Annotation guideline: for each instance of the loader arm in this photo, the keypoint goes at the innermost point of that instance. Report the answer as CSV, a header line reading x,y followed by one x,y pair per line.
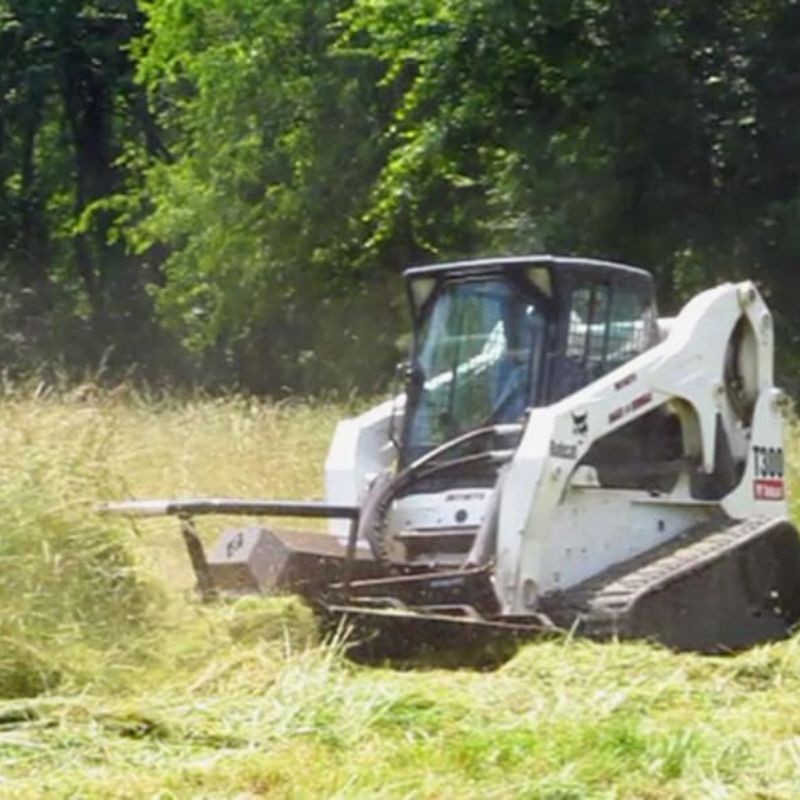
x,y
687,370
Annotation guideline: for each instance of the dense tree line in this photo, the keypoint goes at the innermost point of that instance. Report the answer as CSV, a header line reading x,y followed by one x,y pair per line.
x,y
226,190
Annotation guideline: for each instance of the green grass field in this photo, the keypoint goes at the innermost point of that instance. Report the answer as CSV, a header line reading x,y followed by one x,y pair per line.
x,y
114,682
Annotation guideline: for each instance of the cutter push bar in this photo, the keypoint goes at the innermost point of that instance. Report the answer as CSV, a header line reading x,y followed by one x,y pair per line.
x,y
198,506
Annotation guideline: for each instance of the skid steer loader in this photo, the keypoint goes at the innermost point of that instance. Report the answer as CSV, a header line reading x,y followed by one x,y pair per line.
x,y
561,458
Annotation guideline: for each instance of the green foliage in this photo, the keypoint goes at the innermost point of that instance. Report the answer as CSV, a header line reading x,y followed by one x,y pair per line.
x,y
271,138
639,133
210,188
69,104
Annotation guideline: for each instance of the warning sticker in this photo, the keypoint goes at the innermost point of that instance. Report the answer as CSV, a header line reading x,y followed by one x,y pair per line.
x,y
768,489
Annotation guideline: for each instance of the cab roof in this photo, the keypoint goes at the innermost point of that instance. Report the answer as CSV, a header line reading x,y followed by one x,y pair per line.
x,y
501,264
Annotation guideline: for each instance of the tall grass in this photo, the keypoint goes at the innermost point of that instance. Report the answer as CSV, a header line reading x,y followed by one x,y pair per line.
x,y
76,585
119,684
70,586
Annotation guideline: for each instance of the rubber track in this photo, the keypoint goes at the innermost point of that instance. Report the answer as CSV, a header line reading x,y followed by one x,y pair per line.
x,y
601,605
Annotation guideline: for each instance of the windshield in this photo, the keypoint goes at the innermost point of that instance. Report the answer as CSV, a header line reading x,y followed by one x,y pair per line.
x,y
478,351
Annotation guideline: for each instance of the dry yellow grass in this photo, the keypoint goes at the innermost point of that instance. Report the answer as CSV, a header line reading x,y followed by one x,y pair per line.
x,y
135,690
99,446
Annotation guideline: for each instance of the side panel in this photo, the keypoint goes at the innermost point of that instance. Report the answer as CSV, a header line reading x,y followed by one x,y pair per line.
x,y
599,526
359,450
455,508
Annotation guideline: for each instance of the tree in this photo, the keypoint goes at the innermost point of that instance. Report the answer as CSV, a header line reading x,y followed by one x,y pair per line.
x,y
274,139
657,133
69,103
251,177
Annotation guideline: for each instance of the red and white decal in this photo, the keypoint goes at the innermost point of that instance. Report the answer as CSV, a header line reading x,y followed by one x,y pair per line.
x,y
638,402
768,489
626,381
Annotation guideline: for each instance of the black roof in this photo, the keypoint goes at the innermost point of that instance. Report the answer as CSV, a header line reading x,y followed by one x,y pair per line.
x,y
521,262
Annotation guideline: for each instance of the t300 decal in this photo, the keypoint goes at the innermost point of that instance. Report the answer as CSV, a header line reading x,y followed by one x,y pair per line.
x,y
768,465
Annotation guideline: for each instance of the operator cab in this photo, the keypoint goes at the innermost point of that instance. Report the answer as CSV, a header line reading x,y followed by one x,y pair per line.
x,y
495,337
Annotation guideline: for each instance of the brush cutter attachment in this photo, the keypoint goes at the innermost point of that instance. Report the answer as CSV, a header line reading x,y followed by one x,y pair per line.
x,y
390,616
261,560
721,587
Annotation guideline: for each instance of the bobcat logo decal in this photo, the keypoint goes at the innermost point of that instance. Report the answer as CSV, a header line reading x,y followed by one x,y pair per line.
x,y
580,423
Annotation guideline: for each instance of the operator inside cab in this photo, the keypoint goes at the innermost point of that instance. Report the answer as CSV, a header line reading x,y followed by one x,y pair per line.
x,y
477,353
